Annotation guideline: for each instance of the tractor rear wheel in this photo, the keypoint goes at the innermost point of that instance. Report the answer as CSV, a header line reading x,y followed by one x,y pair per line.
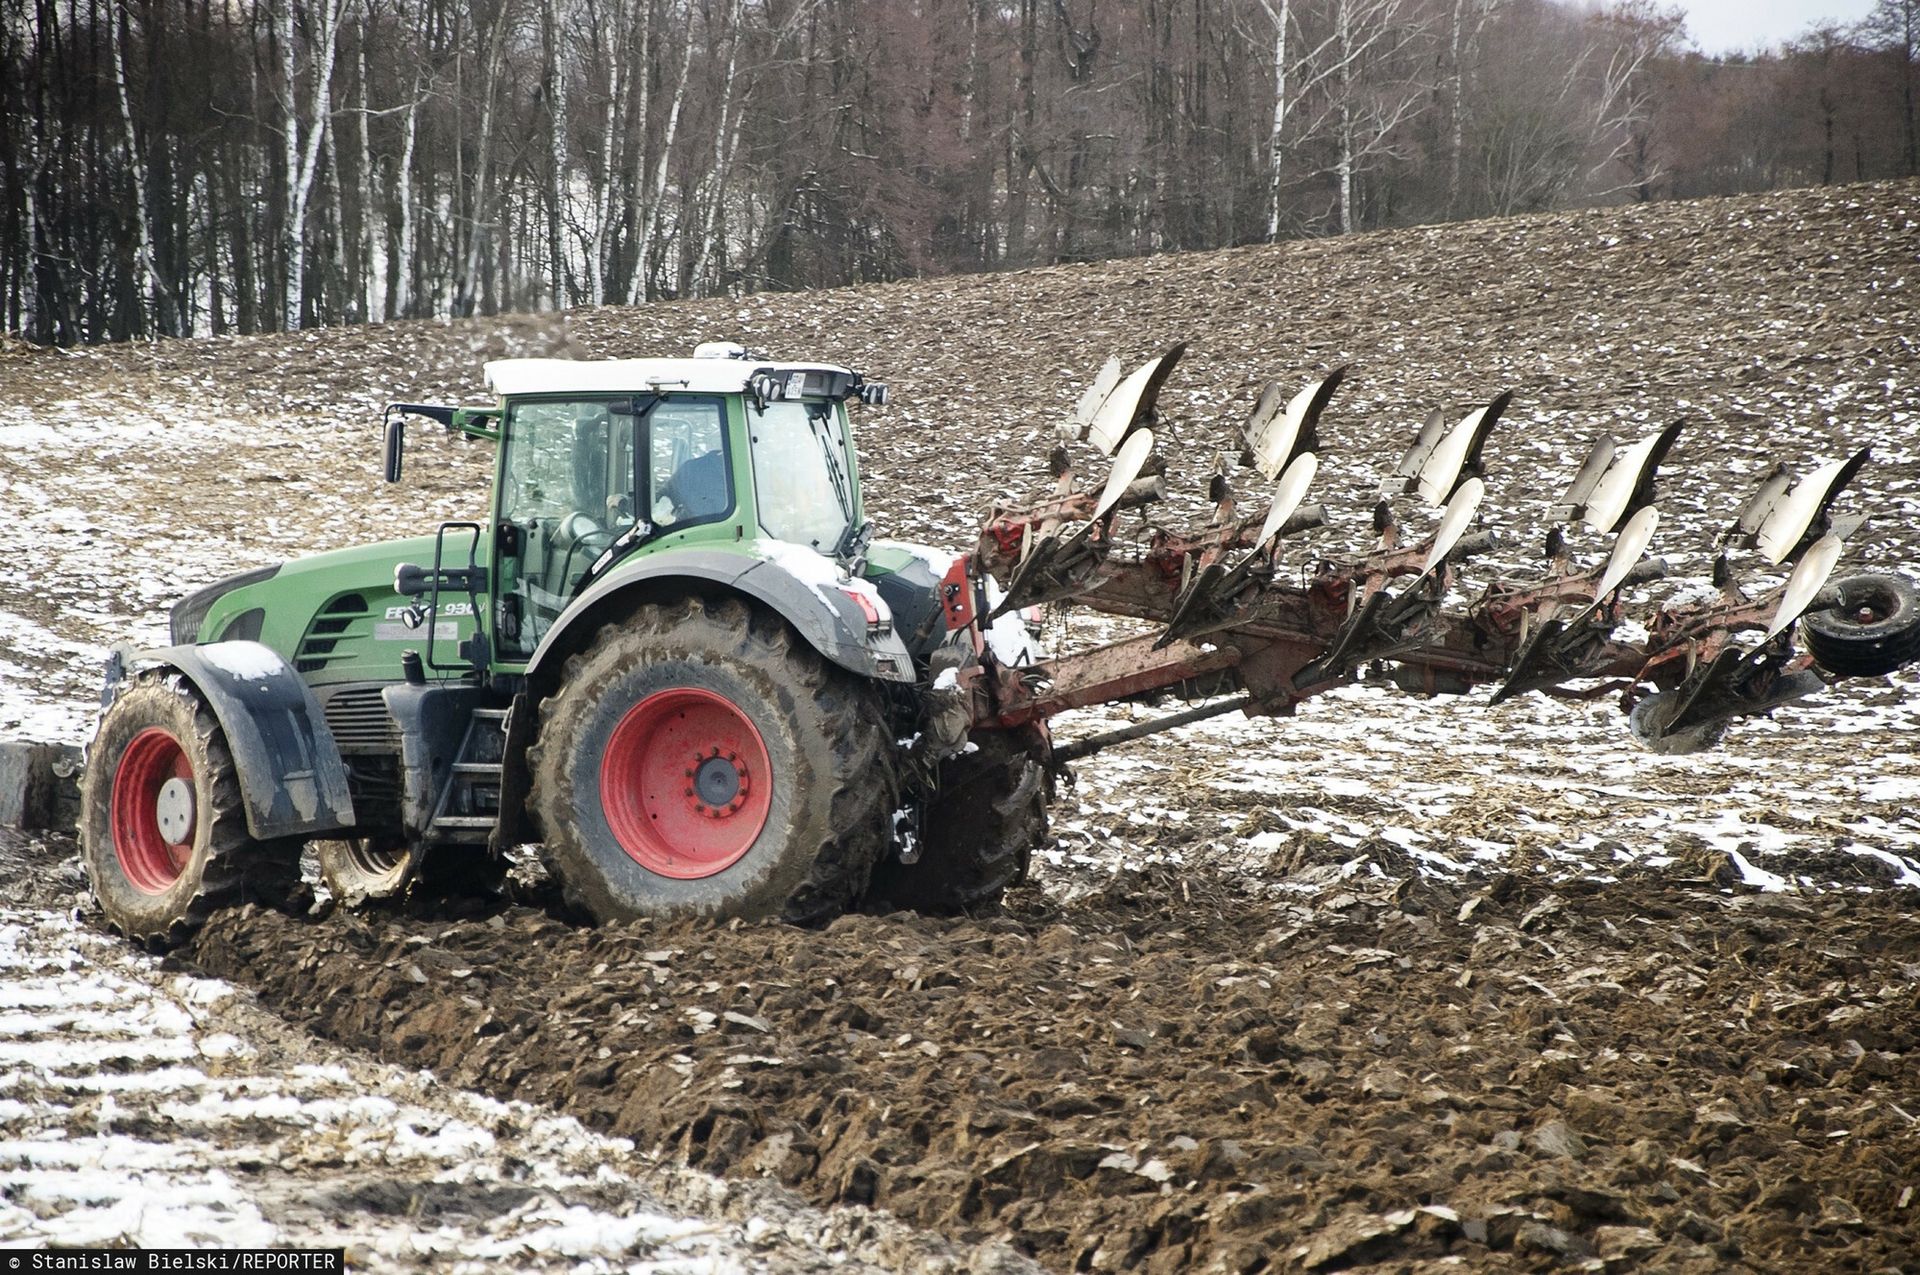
x,y
1873,631
163,835
701,760
980,830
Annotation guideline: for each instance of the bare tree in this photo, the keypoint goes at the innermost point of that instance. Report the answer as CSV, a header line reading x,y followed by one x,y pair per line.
x,y
1300,68
303,150
1466,22
556,23
1894,27
1376,85
662,170
171,166
1546,124
726,144
150,287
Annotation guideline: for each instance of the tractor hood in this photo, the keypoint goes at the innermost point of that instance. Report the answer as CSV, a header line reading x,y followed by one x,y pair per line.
x,y
334,616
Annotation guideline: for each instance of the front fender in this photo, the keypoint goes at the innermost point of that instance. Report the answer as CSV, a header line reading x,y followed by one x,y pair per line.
x,y
292,780
804,588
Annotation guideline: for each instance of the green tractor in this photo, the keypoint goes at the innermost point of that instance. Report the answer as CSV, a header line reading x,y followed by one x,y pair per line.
x,y
674,655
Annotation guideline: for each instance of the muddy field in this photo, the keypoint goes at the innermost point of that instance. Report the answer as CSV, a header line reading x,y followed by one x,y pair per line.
x,y
1387,984
1175,1074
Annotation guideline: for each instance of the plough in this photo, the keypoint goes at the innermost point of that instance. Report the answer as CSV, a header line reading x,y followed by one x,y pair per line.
x,y
1243,621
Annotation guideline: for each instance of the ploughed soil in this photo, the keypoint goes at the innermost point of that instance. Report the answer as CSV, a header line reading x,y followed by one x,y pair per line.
x,y
1675,1074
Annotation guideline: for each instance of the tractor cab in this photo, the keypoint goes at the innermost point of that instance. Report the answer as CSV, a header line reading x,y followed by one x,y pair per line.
x,y
603,462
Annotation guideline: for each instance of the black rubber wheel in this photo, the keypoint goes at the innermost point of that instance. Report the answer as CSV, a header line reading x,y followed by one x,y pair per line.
x,y
702,760
1654,711
981,828
1873,631
163,835
366,869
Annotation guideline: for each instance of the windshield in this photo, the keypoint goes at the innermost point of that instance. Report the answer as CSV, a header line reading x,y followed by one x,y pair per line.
x,y
800,473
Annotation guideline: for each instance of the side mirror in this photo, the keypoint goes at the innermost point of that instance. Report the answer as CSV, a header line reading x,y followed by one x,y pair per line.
x,y
396,447
410,581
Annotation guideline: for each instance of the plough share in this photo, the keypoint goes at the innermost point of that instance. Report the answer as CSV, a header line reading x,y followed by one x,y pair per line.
x,y
1241,621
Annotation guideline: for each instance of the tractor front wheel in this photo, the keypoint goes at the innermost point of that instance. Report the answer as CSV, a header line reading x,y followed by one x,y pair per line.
x,y
163,835
700,760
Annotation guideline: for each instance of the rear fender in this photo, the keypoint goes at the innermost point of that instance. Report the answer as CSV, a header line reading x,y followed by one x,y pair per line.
x,y
802,587
292,781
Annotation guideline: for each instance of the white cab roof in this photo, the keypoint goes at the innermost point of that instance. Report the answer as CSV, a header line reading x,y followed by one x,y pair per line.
x,y
509,377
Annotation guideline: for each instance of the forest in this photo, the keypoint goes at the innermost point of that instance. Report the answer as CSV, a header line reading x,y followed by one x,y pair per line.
x,y
174,167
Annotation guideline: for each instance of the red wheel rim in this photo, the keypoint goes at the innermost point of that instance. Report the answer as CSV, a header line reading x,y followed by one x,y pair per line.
x,y
150,860
685,783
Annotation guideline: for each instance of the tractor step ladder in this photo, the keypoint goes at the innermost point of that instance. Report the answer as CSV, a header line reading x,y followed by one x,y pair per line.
x,y
474,782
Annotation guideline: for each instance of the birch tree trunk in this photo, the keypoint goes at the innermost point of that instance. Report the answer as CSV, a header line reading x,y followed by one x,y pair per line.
x,y
557,15
726,136
1279,17
336,289
363,184
972,88
30,258
663,164
1344,19
603,179
463,284
303,154
151,288
1456,106
400,249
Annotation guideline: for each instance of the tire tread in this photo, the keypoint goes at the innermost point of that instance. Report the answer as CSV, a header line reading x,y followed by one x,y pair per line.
x,y
836,706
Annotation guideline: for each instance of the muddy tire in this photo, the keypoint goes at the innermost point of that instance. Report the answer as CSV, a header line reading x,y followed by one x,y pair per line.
x,y
365,869
1872,632
163,835
702,760
377,873
980,829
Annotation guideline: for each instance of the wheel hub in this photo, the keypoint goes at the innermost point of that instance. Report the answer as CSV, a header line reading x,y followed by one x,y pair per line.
x,y
152,810
719,785
173,810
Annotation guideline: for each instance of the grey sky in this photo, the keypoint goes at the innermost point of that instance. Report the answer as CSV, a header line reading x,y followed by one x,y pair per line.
x,y
1722,26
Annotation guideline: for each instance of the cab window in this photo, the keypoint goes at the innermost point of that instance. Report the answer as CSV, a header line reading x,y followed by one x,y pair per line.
x,y
800,473
688,475
568,493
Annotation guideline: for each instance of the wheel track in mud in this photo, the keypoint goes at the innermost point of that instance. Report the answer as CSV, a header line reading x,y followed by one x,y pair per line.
x,y
1175,1077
